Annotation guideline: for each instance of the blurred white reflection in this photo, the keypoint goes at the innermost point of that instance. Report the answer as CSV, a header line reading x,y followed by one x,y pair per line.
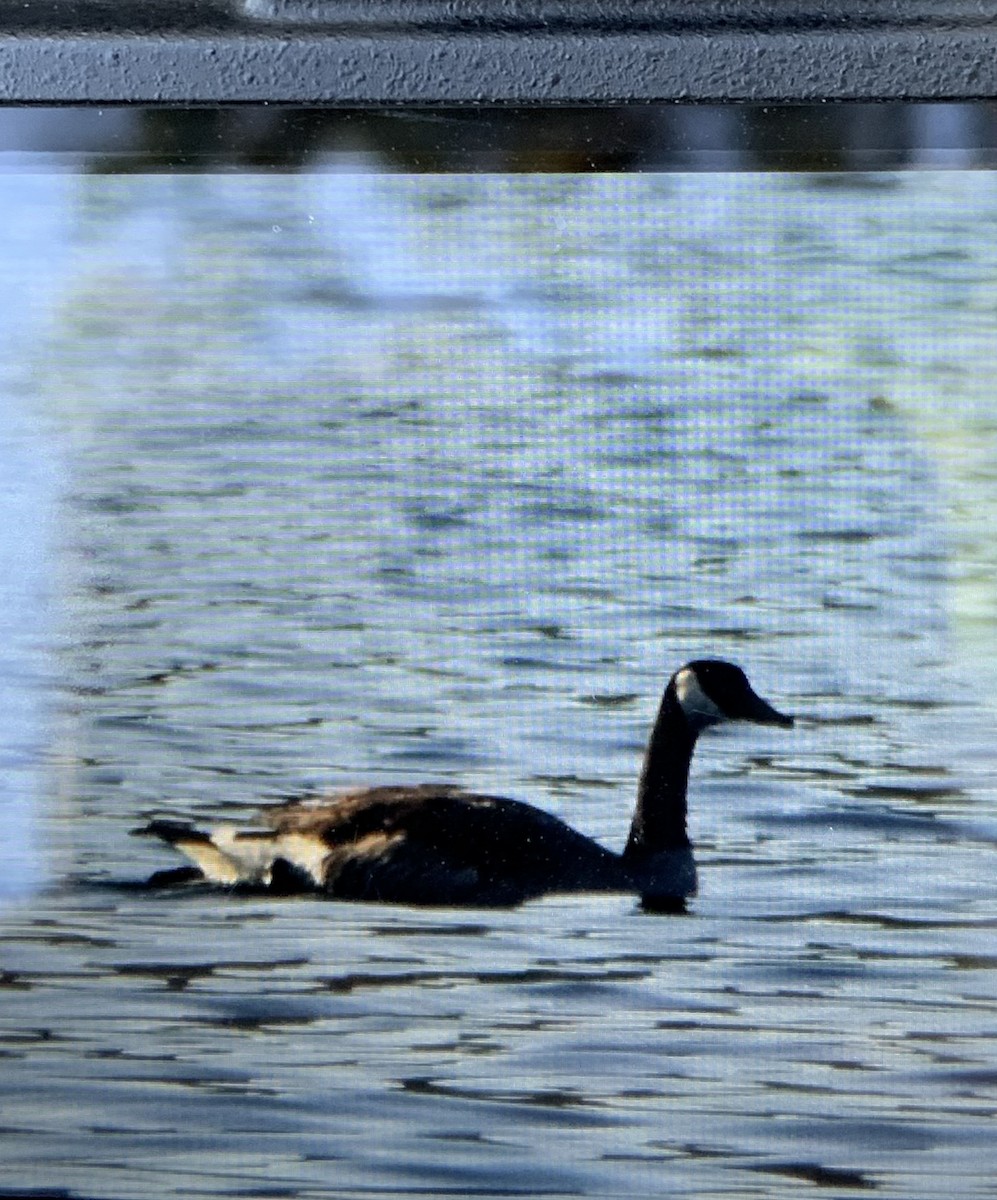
x,y
33,212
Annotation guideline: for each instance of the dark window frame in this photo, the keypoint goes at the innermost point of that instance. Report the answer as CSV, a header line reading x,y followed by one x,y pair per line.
x,y
496,52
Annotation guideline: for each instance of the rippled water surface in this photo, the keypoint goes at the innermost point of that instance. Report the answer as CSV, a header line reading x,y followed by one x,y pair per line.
x,y
385,478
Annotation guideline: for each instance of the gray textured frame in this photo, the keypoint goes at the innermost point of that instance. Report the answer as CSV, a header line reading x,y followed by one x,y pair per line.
x,y
456,52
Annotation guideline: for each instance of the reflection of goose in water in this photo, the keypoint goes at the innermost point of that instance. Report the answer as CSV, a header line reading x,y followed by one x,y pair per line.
x,y
437,844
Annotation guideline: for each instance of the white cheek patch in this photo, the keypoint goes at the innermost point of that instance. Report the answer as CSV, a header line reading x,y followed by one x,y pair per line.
x,y
699,709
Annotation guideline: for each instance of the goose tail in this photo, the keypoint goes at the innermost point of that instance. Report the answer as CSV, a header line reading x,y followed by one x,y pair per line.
x,y
231,857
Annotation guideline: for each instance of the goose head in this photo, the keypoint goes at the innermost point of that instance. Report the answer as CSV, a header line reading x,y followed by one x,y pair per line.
x,y
710,691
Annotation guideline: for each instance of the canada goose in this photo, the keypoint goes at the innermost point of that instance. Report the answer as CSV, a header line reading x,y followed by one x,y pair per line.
x,y
438,844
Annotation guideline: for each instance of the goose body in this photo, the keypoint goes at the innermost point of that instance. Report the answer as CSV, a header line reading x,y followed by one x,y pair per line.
x,y
439,844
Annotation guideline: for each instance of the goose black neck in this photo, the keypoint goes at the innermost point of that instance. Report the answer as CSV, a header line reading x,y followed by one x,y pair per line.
x,y
660,819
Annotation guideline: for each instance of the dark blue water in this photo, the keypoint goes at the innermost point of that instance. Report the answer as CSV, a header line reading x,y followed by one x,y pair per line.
x,y
384,478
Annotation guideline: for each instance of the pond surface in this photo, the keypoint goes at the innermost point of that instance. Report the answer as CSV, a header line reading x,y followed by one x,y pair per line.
x,y
386,478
